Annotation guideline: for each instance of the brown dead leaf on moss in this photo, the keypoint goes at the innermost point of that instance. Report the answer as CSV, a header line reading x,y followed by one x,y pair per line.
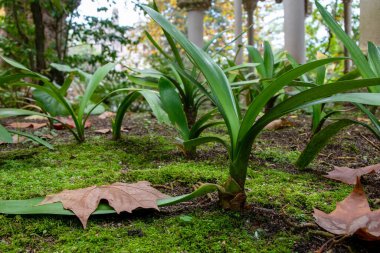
x,y
23,125
352,216
69,122
103,131
121,196
106,115
348,176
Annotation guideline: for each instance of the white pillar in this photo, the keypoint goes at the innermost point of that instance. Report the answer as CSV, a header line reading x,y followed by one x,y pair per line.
x,y
238,30
369,22
294,29
195,26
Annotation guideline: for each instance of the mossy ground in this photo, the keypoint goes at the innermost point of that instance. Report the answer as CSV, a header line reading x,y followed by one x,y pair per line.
x,y
35,171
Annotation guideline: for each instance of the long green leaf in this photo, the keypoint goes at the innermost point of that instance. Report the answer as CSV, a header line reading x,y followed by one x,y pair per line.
x,y
33,138
268,59
372,117
202,140
123,107
155,105
355,52
360,98
374,58
94,82
256,58
172,104
22,67
5,135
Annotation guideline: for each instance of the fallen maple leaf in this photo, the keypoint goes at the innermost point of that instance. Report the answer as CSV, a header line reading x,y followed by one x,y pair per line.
x,y
103,131
23,125
106,115
69,122
122,197
279,124
348,176
352,216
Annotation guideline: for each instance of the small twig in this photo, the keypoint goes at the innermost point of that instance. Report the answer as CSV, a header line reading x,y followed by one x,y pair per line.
x,y
320,233
370,142
331,243
162,186
346,158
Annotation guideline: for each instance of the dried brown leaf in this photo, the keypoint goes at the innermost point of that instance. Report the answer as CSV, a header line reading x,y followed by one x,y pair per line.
x,y
352,216
106,115
279,124
348,176
23,125
122,197
103,131
69,122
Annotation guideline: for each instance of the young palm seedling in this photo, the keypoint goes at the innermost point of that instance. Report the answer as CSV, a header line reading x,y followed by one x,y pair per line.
x,y
243,132
180,96
54,97
368,67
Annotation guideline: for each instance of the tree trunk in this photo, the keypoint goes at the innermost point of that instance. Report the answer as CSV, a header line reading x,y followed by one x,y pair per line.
x,y
39,35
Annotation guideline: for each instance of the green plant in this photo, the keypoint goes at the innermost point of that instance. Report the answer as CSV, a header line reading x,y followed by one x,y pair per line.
x,y
269,66
244,132
180,95
368,67
52,97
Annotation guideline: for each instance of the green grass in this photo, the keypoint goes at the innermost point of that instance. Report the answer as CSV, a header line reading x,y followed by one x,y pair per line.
x,y
37,172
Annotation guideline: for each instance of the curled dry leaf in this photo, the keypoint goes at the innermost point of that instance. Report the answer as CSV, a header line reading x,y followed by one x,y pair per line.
x,y
103,131
348,176
352,216
106,115
279,124
122,197
23,125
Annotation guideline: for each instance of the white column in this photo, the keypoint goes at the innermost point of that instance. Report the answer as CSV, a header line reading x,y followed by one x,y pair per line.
x,y
294,29
195,27
238,30
348,29
369,22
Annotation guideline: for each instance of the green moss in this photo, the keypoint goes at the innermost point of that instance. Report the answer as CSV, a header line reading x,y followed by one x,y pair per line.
x,y
37,172
212,231
276,155
297,194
